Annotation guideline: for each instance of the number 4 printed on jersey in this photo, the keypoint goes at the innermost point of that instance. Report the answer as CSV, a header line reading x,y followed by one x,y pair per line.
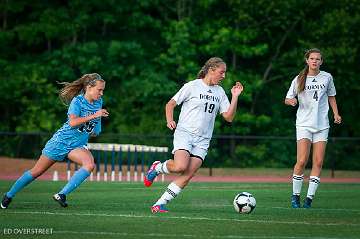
x,y
316,97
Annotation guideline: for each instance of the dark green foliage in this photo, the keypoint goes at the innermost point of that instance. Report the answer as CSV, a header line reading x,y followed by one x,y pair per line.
x,y
146,50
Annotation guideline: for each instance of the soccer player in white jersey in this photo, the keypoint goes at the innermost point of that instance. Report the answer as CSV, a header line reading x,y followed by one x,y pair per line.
x,y
84,119
314,90
201,100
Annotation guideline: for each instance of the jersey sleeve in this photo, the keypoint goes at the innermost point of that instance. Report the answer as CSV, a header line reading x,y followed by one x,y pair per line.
x,y
224,103
182,94
74,107
331,91
292,92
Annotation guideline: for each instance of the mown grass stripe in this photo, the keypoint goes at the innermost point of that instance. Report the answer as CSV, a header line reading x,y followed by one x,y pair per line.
x,y
189,218
187,235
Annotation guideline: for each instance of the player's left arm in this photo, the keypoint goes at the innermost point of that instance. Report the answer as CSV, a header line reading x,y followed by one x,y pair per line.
x,y
333,105
235,92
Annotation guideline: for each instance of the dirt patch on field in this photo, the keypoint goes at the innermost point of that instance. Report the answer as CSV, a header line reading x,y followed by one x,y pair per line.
x,y
12,168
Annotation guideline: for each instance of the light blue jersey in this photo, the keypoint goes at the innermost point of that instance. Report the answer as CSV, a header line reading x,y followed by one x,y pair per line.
x,y
68,138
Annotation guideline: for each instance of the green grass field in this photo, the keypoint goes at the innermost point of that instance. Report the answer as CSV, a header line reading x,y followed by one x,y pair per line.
x,y
203,210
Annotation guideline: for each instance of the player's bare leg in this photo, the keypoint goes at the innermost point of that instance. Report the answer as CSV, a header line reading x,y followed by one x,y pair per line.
x,y
177,165
302,157
83,157
43,164
318,158
174,188
189,173
317,162
39,168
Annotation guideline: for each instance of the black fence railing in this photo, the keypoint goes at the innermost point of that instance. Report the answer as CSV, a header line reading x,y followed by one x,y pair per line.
x,y
225,150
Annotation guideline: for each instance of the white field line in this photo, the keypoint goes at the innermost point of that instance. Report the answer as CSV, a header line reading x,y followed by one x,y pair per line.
x,y
230,205
321,209
186,235
188,218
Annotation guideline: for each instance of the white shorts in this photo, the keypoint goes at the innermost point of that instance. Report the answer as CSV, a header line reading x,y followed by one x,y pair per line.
x,y
195,145
303,133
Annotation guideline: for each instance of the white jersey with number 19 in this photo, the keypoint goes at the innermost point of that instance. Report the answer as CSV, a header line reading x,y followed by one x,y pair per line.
x,y
201,103
312,113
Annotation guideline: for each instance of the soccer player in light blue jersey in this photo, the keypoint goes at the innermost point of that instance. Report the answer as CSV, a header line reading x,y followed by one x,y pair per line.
x,y
84,119
202,99
314,90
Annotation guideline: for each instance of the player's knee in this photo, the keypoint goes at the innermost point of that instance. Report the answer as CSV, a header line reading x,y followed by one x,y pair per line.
x,y
35,172
179,168
318,164
301,163
89,166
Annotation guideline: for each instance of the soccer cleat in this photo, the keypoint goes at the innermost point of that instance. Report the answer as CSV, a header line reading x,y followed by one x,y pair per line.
x,y
295,201
61,199
151,174
307,202
159,209
5,202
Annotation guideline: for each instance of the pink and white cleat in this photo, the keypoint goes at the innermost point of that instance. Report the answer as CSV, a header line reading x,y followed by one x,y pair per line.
x,y
151,174
159,209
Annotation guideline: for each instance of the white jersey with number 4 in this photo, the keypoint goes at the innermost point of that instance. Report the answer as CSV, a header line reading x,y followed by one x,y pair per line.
x,y
200,105
313,101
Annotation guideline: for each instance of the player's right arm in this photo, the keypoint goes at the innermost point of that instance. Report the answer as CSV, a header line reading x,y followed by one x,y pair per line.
x,y
74,114
291,101
178,98
291,94
169,113
75,120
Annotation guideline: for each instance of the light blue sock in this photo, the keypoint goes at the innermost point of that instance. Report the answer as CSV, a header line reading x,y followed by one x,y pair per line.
x,y
24,180
75,181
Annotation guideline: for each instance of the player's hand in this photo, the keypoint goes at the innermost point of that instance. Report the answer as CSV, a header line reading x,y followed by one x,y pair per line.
x,y
337,119
292,101
171,125
102,113
237,89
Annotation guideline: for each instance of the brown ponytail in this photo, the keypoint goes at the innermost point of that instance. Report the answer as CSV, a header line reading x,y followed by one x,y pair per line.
x,y
72,89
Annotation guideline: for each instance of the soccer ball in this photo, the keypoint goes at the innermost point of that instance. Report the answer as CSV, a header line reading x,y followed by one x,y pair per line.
x,y
244,203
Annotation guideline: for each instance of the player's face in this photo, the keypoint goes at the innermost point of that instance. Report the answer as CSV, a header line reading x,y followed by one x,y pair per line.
x,y
95,92
314,61
218,74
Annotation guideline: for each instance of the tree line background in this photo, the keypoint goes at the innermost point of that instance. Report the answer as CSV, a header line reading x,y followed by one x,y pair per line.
x,y
147,49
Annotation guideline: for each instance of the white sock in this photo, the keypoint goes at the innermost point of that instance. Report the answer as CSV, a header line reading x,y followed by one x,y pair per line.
x,y
297,183
162,168
171,192
313,185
